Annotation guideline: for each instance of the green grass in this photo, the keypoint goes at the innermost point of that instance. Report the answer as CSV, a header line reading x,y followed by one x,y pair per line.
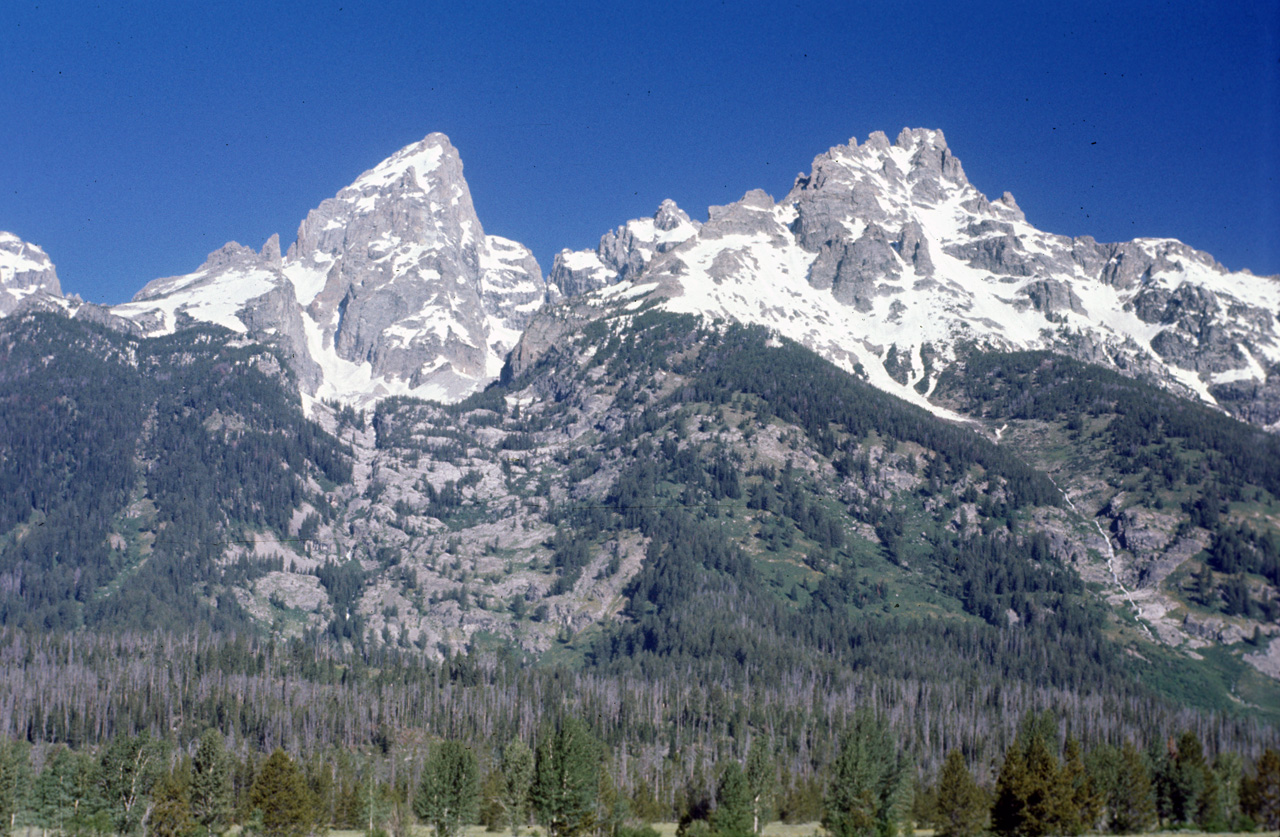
x,y
668,829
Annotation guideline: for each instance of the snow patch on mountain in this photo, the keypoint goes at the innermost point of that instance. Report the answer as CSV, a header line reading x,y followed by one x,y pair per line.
x,y
883,258
27,275
887,261
391,288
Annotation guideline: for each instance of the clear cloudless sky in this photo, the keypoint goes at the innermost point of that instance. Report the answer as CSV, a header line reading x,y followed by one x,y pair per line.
x,y
136,137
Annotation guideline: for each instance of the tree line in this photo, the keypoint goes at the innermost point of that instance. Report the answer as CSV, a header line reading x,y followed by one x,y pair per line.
x,y
566,782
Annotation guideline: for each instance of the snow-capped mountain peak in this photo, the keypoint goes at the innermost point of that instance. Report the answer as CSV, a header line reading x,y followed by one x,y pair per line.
x,y
886,260
392,286
26,274
883,257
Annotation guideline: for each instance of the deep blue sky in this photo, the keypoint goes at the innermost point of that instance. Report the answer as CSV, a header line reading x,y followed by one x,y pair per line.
x,y
139,136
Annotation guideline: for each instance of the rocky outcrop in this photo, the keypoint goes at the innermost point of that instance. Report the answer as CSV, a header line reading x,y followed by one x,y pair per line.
x,y
622,253
26,275
276,318
403,285
391,286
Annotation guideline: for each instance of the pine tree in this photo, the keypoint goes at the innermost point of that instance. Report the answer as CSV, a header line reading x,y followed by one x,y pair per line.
x,y
961,807
517,771
565,782
129,767
1031,800
15,772
493,806
1131,803
1187,780
449,793
732,816
1008,811
1046,796
171,809
1260,795
762,778
1228,772
1082,804
211,783
869,788
280,794
53,793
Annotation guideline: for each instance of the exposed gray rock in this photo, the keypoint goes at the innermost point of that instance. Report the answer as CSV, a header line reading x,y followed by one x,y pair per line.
x,y
103,316
1212,628
751,215
25,272
1252,400
914,248
1127,263
579,273
670,217
1053,296
1000,254
869,258
405,243
1143,533
623,252
276,318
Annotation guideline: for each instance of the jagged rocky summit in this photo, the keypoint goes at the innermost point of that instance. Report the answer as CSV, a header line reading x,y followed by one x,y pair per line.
x,y
887,261
27,276
883,258
392,287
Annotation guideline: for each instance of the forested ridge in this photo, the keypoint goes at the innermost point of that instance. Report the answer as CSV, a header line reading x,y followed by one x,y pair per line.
x,y
191,435
771,544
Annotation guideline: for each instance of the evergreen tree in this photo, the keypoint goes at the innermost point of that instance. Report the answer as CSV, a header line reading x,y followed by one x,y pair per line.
x,y
1031,800
1047,798
129,769
1228,771
1187,782
612,807
961,806
449,794
279,794
517,772
565,782
171,809
1008,811
732,816
762,778
211,783
1082,804
869,788
370,802
493,806
15,770
1131,802
1260,795
54,799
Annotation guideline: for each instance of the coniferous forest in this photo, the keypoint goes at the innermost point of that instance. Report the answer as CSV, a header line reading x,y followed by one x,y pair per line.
x,y
670,572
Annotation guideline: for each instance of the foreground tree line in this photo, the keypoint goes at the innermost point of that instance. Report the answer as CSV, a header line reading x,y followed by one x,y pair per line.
x,y
566,784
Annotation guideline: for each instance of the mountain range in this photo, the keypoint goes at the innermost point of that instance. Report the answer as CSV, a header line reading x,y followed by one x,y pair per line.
x,y
883,259
884,397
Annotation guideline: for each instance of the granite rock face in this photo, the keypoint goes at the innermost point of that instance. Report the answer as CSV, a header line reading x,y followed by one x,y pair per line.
x,y
884,248
881,250
622,253
392,286
403,242
27,275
